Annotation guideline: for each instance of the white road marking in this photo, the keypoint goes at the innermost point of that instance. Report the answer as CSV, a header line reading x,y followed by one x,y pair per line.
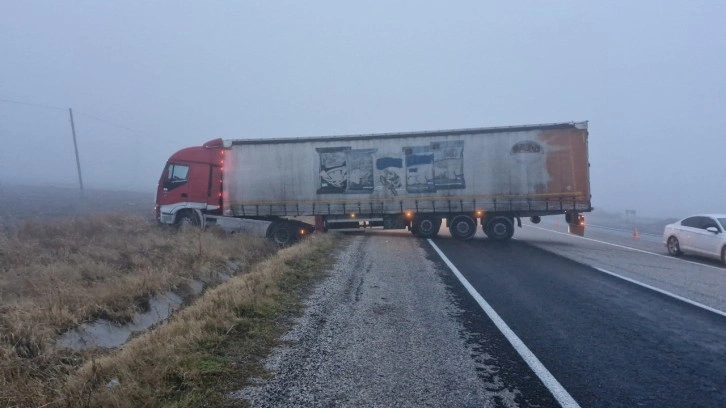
x,y
645,285
557,390
624,247
665,292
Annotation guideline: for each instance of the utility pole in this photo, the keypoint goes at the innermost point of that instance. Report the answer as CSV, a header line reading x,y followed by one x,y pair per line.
x,y
75,146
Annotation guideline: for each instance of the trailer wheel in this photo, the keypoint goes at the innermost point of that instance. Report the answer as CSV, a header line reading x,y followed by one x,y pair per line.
x,y
282,233
427,226
186,218
499,228
462,227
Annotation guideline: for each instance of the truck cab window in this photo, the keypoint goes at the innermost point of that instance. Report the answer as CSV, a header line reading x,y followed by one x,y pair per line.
x,y
176,175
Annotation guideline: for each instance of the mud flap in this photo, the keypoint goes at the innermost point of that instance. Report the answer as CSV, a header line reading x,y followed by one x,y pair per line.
x,y
575,224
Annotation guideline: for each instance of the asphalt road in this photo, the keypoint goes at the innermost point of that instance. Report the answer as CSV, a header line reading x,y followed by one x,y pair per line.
x,y
392,325
643,259
607,341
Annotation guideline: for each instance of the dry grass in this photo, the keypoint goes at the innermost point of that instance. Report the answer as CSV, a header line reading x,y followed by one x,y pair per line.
x,y
54,276
209,348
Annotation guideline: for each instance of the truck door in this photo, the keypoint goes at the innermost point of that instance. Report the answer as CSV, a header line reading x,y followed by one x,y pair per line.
x,y
175,184
198,183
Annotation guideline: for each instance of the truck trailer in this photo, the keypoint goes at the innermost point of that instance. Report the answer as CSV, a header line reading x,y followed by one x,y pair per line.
x,y
490,177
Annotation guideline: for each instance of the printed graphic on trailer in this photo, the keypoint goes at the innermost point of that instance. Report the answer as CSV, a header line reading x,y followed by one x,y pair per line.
x,y
419,169
531,170
345,170
429,168
448,165
438,166
391,174
531,165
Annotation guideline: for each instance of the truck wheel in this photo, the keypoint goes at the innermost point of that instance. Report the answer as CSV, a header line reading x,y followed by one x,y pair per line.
x,y
499,228
674,247
462,227
282,234
186,218
427,226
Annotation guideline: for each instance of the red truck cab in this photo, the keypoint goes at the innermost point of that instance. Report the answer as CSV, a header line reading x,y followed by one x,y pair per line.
x,y
191,184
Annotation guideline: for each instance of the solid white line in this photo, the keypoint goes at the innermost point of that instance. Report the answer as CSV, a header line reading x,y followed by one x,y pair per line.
x,y
557,390
623,247
645,285
665,292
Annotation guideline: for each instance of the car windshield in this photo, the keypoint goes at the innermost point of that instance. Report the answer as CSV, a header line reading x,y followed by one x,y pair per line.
x,y
722,221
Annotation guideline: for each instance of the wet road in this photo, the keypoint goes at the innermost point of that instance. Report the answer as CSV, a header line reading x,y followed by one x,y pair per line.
x,y
607,341
393,325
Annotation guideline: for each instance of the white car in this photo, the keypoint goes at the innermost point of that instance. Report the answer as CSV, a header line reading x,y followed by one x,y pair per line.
x,y
703,235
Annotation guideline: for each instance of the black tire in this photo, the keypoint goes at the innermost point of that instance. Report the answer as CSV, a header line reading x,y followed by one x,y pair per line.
x,y
674,248
186,218
462,227
499,228
282,233
427,226
723,255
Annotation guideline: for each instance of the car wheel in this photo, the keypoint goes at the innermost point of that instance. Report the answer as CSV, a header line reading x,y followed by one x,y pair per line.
x,y
674,248
723,255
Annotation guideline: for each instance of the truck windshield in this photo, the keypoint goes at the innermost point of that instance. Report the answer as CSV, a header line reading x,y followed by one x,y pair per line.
x,y
176,175
177,172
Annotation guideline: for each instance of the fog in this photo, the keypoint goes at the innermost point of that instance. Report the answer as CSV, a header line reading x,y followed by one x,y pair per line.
x,y
145,79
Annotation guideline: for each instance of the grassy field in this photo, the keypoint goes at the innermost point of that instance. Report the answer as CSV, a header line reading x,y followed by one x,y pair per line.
x,y
55,275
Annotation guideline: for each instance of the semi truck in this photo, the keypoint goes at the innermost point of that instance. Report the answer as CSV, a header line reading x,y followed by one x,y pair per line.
x,y
284,188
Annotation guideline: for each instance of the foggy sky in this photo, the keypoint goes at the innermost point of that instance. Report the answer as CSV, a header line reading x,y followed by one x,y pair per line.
x,y
146,79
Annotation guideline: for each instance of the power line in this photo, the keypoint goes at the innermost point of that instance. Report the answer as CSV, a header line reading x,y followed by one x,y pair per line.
x,y
32,104
77,112
112,124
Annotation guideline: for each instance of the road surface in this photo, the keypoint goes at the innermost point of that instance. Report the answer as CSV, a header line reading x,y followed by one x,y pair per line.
x,y
393,325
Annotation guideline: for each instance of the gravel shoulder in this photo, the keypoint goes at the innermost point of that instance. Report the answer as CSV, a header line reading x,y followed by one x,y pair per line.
x,y
380,330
